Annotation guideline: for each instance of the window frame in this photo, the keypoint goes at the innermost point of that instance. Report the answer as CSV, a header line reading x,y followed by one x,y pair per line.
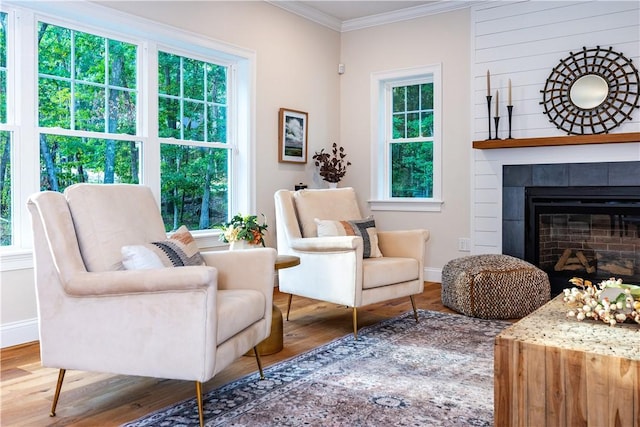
x,y
381,138
149,37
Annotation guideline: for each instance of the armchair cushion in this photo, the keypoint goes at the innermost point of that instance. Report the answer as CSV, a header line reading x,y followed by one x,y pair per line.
x,y
365,228
387,271
336,204
179,250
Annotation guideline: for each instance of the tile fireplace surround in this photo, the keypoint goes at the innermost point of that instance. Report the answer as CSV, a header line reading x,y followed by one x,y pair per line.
x,y
593,161
578,181
516,178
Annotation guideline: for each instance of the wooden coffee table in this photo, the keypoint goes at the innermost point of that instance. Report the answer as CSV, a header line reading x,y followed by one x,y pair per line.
x,y
551,370
275,341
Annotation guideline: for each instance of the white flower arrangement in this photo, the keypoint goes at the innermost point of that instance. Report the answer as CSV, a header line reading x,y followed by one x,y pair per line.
x,y
611,301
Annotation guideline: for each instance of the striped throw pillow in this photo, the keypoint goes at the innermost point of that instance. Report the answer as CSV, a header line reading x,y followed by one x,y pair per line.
x,y
365,228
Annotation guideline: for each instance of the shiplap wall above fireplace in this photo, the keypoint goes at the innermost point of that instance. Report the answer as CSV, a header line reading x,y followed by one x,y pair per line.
x,y
523,41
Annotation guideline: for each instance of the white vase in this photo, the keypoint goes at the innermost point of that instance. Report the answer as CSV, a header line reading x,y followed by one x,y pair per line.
x,y
333,185
242,244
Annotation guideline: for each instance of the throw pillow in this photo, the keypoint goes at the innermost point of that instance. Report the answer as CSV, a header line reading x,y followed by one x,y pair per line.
x,y
177,251
365,228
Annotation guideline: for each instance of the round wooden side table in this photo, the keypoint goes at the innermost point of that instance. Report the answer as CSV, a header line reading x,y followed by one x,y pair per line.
x,y
275,341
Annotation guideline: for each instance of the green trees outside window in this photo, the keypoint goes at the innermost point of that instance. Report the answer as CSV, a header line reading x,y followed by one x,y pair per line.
x,y
411,145
86,83
192,111
101,101
6,229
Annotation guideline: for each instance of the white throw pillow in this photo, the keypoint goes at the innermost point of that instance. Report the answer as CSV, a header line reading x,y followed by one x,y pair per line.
x,y
177,251
139,257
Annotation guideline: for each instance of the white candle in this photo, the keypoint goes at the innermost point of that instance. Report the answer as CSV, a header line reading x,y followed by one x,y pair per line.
x,y
488,83
497,112
509,93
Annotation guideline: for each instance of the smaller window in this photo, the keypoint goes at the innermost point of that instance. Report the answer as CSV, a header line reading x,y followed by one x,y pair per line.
x,y
407,141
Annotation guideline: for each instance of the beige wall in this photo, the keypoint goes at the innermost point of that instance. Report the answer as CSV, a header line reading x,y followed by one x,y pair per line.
x,y
444,39
297,68
17,296
297,64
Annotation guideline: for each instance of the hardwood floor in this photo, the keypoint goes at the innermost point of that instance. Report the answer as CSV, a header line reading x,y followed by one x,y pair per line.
x,y
93,399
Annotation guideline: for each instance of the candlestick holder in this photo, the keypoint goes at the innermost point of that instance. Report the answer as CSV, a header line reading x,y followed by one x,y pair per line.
x,y
489,113
510,111
496,120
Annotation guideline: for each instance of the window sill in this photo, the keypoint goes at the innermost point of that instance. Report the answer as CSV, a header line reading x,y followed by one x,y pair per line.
x,y
17,259
407,205
209,239
21,259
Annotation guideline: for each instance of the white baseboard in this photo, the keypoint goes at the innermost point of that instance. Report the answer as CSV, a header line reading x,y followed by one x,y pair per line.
x,y
20,332
432,274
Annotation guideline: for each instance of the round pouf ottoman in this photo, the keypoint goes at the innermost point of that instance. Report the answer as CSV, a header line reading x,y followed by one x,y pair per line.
x,y
494,286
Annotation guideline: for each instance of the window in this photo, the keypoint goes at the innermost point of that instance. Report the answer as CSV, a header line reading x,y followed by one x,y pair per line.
x,y
192,109
6,225
407,139
86,89
121,100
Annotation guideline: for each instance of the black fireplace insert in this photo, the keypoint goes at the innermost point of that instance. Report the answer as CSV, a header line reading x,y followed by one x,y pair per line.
x,y
588,232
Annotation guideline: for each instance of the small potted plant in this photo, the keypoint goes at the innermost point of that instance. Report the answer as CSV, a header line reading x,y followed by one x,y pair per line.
x,y
333,166
243,231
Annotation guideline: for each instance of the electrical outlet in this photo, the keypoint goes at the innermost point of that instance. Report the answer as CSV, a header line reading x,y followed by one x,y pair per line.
x,y
464,244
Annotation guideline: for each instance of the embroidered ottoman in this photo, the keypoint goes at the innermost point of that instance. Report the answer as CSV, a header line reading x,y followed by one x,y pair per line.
x,y
494,286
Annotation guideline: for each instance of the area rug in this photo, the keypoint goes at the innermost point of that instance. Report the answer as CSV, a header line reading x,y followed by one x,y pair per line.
x,y
437,372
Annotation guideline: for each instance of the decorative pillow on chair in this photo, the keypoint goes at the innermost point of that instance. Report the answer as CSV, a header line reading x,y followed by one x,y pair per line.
x,y
365,228
177,251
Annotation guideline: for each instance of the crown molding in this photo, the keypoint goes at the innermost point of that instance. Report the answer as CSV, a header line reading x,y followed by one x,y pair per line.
x,y
404,14
309,13
335,24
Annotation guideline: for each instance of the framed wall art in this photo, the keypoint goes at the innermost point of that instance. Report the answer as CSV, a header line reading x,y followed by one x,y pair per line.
x,y
292,136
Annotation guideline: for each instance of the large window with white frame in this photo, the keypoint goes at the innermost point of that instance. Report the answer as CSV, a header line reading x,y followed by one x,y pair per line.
x,y
406,111
117,104
193,100
6,223
87,108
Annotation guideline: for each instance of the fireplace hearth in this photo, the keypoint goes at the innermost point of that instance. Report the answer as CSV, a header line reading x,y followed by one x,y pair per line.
x,y
574,220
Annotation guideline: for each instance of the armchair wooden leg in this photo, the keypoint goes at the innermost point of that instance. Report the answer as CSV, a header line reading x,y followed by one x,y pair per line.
x,y
258,361
355,323
289,305
57,394
413,304
199,399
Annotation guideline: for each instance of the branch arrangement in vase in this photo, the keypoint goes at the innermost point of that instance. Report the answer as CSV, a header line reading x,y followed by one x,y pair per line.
x,y
333,165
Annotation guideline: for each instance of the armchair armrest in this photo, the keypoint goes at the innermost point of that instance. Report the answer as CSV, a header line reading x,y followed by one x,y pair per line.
x,y
140,281
244,269
403,243
326,244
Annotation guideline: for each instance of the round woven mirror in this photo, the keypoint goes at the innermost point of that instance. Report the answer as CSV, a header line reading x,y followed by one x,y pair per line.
x,y
591,92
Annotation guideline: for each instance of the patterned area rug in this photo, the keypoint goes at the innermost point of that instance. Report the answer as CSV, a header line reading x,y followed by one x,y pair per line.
x,y
438,372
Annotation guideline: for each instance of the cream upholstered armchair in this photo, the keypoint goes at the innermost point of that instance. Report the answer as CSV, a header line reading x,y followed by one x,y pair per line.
x,y
184,323
338,267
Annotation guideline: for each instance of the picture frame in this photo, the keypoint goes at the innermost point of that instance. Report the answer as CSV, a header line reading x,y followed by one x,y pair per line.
x,y
293,128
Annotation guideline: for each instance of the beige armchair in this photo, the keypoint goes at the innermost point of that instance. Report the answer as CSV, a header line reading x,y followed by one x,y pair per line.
x,y
333,268
185,323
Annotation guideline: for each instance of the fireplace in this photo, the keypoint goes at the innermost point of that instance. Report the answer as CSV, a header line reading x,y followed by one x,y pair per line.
x,y
590,232
574,220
